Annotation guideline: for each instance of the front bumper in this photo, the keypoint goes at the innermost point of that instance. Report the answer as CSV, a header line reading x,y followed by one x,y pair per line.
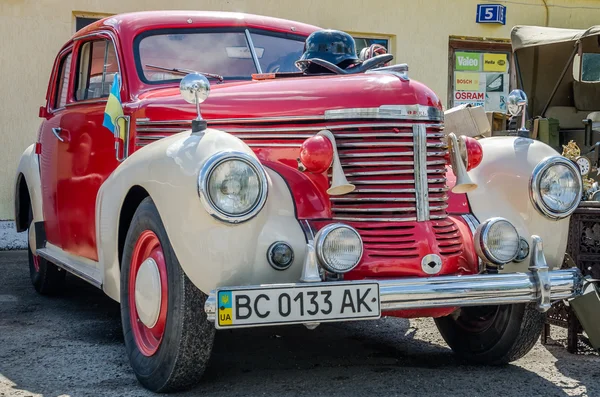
x,y
540,286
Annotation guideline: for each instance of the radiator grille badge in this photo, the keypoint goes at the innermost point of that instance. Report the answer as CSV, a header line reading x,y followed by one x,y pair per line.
x,y
431,264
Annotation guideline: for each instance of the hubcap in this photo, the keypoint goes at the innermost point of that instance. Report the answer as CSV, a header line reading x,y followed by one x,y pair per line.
x,y
148,293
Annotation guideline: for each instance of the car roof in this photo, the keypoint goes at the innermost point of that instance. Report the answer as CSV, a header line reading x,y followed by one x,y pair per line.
x,y
136,22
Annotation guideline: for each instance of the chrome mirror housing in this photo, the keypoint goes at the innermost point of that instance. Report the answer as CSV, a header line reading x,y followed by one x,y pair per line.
x,y
517,105
517,102
194,89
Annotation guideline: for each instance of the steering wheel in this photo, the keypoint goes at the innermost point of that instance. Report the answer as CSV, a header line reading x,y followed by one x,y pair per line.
x,y
361,68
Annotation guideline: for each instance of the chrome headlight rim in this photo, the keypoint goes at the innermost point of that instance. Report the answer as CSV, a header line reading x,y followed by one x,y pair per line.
x,y
320,240
204,177
536,195
480,239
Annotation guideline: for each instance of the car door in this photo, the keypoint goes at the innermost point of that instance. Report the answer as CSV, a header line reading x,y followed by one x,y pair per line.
x,y
51,140
88,157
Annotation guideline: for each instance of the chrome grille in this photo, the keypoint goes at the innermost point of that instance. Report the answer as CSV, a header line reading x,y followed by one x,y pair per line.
x,y
381,159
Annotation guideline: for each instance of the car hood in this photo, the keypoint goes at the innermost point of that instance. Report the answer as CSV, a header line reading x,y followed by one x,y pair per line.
x,y
288,97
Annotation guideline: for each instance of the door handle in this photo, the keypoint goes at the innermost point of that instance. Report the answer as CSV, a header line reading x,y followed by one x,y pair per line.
x,y
56,132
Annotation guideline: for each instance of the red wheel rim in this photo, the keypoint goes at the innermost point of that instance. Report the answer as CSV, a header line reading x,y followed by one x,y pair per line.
x,y
36,263
148,339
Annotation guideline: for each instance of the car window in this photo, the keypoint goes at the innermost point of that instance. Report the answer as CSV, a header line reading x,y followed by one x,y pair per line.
x,y
590,67
96,68
225,53
277,54
62,83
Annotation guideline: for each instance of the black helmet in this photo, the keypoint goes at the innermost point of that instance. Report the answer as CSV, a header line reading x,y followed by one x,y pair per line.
x,y
332,46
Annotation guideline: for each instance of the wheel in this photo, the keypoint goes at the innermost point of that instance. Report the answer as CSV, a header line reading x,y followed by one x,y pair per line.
x,y
46,277
167,336
492,334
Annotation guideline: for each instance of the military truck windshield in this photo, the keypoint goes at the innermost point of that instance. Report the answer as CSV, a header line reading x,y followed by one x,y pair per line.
x,y
228,54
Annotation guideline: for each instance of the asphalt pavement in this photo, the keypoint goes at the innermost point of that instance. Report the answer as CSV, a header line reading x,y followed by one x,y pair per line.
x,y
71,345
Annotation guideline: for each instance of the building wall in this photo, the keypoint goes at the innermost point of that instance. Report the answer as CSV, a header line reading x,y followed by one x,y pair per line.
x,y
32,31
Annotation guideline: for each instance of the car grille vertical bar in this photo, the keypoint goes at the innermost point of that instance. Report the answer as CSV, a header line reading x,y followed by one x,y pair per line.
x,y
420,158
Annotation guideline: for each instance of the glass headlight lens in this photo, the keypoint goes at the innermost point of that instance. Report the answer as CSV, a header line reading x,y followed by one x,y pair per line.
x,y
233,186
556,187
497,241
339,248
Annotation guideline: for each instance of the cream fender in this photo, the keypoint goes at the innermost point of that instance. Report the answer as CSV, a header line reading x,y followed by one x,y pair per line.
x,y
212,253
504,178
29,169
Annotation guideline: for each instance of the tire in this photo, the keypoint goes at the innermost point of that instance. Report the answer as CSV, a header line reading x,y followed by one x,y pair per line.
x,y
46,277
171,353
493,335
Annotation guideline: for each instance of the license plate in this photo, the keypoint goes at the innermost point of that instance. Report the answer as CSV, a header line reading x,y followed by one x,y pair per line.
x,y
247,307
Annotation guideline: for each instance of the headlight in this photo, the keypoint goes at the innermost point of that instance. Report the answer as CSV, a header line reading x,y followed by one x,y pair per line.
x,y
232,186
497,241
556,187
339,248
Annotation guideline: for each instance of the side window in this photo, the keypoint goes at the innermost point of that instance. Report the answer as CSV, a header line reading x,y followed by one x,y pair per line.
x,y
96,70
62,83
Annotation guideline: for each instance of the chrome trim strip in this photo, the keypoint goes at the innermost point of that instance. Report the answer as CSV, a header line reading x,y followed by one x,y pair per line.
x,y
422,193
398,112
431,190
411,219
387,144
252,51
394,181
389,163
389,172
376,154
384,199
117,133
384,112
388,209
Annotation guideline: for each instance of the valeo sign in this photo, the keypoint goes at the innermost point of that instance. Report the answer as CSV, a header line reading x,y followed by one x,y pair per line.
x,y
470,61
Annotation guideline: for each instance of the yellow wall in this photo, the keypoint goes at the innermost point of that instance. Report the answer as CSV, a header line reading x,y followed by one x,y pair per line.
x,y
32,31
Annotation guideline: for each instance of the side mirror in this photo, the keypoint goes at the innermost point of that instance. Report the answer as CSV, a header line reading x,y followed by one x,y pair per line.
x,y
517,105
195,88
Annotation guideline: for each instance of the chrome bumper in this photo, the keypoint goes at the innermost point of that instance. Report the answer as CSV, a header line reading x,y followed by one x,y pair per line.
x,y
540,286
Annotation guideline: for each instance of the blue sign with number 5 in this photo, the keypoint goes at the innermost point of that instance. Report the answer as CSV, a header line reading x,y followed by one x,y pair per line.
x,y
491,13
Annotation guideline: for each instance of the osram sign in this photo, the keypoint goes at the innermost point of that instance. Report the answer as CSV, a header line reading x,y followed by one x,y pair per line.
x,y
469,96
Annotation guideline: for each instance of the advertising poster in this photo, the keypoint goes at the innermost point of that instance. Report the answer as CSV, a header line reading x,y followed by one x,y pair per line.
x,y
481,79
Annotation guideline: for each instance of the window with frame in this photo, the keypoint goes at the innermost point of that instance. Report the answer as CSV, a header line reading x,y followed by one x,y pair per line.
x,y
96,70
62,82
587,67
363,42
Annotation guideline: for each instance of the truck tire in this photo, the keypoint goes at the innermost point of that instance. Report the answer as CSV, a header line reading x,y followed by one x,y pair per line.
x,y
493,335
46,277
167,335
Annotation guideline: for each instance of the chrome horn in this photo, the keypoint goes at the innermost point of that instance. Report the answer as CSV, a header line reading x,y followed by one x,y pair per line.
x,y
464,183
339,183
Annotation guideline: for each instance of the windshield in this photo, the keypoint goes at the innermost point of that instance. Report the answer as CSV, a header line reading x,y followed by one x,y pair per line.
x,y
225,53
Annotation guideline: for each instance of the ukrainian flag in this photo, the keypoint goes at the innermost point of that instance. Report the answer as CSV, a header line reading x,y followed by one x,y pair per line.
x,y
114,109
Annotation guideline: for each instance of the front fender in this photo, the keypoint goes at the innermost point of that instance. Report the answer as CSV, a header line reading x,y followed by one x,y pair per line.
x,y
503,179
211,253
28,172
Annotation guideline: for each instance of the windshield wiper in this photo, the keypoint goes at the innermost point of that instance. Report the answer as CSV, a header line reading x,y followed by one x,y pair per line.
x,y
186,71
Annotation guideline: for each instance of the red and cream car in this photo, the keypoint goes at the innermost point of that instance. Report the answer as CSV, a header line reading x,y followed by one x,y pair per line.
x,y
309,198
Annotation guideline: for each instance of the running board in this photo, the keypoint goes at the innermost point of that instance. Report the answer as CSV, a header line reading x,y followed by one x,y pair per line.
x,y
85,269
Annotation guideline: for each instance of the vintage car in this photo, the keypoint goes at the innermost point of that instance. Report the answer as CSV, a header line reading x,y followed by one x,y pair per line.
x,y
312,197
559,70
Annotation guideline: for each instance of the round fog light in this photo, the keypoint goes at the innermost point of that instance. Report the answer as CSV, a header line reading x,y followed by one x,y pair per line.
x,y
339,248
280,255
497,241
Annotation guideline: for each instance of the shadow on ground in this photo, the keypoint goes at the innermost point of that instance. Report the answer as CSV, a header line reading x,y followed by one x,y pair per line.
x,y
72,345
